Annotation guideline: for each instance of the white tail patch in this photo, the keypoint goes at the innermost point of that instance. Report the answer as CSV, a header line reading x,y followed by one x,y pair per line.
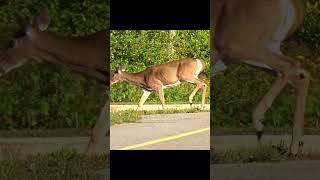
x,y
199,68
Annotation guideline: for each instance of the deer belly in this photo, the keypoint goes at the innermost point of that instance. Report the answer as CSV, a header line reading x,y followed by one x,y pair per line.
x,y
171,85
199,68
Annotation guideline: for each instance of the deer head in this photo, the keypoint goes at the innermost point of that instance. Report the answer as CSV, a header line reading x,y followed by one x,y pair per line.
x,y
117,75
22,45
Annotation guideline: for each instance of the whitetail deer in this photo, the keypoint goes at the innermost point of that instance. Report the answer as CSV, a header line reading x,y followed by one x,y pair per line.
x,y
161,76
252,31
87,55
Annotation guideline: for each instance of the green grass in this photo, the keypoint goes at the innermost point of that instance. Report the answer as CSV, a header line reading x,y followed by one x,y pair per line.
x,y
264,153
130,116
63,164
67,132
126,116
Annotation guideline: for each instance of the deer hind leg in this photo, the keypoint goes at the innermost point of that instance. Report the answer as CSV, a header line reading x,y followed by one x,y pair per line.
x,y
200,85
290,72
265,104
301,83
143,99
161,96
193,94
203,99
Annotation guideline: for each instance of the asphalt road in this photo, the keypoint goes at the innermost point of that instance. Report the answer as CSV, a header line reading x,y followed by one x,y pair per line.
x,y
291,170
183,131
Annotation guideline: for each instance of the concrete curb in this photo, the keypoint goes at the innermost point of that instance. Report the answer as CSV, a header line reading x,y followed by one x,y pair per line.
x,y
152,107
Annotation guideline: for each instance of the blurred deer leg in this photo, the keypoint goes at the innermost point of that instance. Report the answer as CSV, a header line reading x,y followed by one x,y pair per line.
x,y
99,132
265,104
193,94
203,100
161,95
143,99
282,64
301,83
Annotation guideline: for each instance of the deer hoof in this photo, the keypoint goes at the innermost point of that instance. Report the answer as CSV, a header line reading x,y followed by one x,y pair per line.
x,y
300,144
295,149
259,135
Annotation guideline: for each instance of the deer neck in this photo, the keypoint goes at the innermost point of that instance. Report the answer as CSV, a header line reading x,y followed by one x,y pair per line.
x,y
53,45
135,78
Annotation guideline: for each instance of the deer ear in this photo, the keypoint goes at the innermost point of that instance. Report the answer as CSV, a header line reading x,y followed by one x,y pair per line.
x,y
23,23
42,20
121,68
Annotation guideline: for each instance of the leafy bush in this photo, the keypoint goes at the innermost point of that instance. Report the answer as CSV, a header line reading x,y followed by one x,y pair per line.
x,y
310,29
140,49
47,96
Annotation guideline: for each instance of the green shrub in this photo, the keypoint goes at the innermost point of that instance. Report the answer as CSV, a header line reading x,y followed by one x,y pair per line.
x,y
310,29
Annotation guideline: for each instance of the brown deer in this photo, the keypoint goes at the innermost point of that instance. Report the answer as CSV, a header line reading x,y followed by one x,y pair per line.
x,y
251,31
159,77
87,55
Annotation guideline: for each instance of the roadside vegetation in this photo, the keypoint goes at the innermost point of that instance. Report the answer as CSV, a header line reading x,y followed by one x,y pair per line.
x,y
62,165
263,153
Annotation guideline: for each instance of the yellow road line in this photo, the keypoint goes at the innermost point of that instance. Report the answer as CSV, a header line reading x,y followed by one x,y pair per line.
x,y
165,139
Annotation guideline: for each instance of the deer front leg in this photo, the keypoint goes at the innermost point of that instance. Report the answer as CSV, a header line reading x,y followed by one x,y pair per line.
x,y
301,83
143,99
161,95
99,131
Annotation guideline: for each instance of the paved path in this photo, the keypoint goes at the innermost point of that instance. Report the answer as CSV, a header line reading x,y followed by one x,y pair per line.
x,y
176,131
221,143
292,170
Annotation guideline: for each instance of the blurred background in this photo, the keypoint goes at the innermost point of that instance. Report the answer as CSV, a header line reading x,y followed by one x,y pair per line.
x,y
42,96
238,89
